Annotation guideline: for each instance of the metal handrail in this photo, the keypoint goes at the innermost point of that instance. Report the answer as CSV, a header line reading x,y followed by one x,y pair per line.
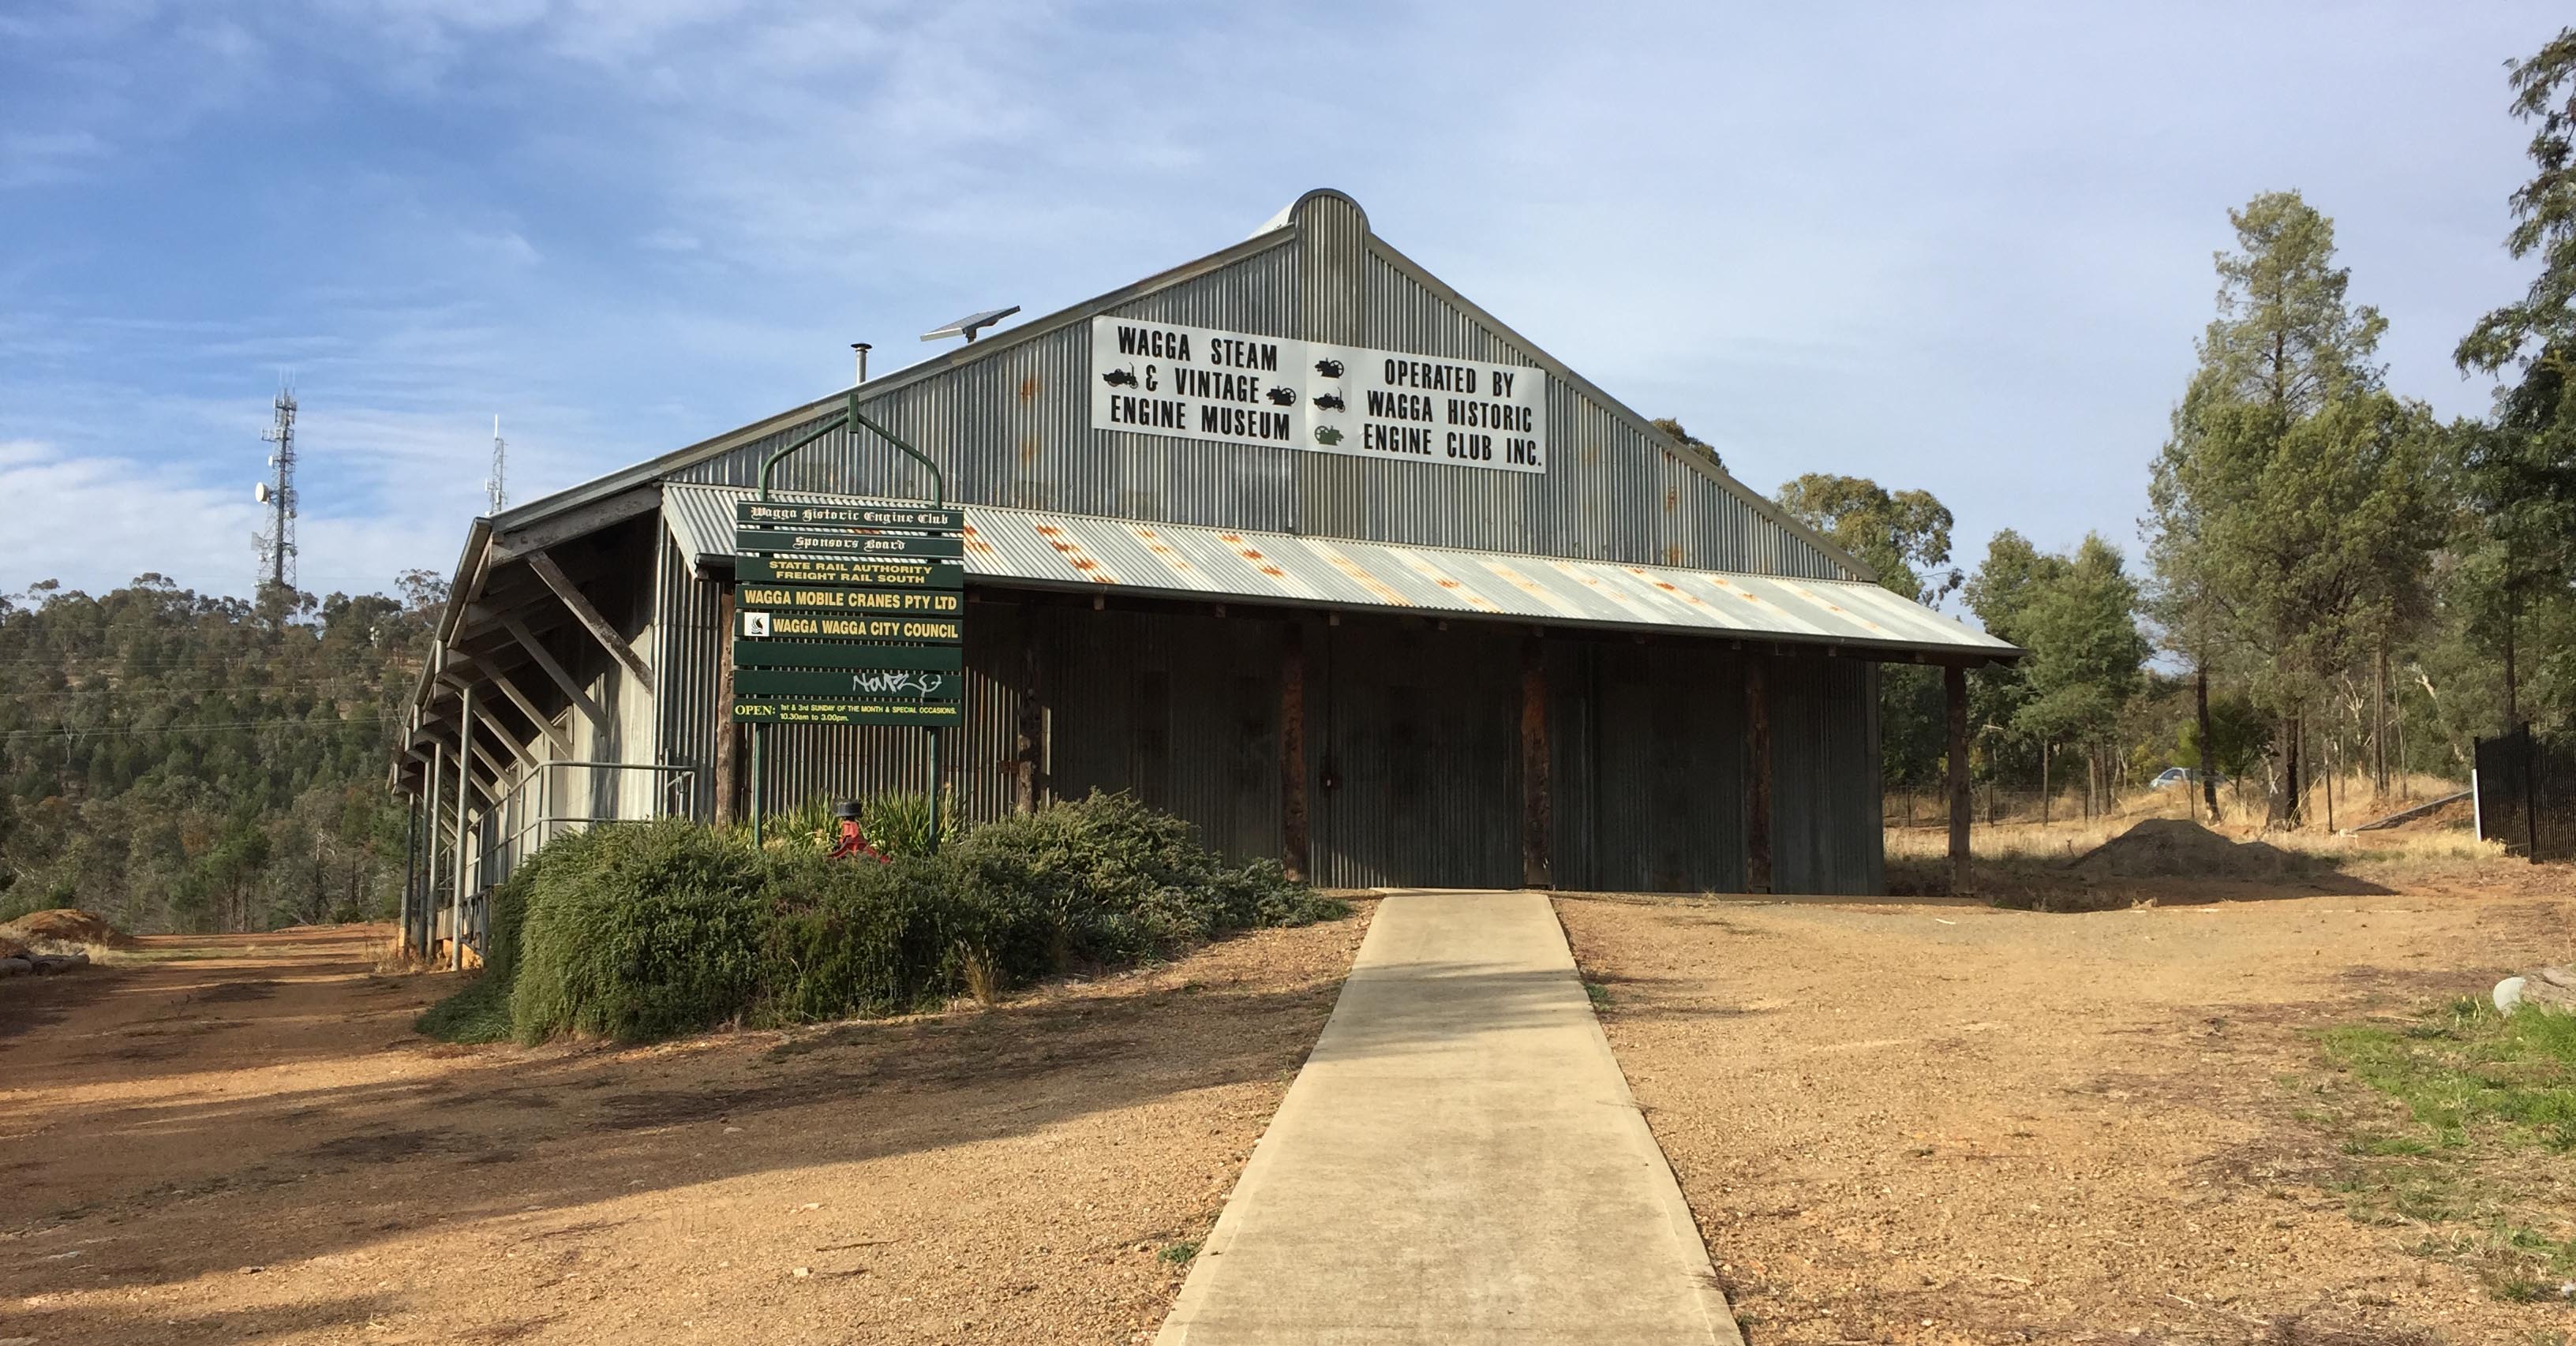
x,y
485,881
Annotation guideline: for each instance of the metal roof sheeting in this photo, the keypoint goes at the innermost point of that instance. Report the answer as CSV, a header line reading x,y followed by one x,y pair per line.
x,y
1077,551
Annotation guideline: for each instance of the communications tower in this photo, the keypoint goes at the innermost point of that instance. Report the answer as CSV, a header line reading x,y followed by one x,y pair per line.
x,y
277,541
492,486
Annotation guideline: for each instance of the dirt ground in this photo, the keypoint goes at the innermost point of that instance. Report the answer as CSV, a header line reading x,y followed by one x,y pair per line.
x,y
1926,1123
240,1139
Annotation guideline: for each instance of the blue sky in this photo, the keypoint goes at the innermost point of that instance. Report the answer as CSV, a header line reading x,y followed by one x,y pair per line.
x,y
1964,247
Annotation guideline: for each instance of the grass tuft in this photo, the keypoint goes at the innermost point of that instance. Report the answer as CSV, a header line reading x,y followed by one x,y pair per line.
x,y
2478,1144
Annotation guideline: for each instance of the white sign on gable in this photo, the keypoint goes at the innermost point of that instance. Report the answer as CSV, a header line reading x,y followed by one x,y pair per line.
x,y
1276,392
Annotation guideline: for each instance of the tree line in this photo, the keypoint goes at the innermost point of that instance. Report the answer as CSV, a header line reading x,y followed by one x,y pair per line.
x,y
181,761
2337,580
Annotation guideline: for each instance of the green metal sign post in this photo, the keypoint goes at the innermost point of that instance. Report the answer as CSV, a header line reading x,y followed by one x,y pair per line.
x,y
848,613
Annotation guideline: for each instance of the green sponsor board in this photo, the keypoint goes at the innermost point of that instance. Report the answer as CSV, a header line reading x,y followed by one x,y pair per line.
x,y
890,574
848,710
788,514
824,542
798,654
896,684
848,600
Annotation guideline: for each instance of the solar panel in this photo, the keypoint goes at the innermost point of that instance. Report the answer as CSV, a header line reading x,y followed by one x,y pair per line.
x,y
969,325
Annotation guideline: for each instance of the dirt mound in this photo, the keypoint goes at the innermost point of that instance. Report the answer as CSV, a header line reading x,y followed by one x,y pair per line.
x,y
2172,848
10,948
71,925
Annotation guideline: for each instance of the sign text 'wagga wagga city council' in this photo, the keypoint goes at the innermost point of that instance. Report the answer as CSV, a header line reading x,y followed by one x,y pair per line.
x,y
1241,388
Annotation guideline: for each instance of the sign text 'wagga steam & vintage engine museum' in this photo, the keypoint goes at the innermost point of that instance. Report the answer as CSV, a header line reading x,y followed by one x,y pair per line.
x,y
1242,388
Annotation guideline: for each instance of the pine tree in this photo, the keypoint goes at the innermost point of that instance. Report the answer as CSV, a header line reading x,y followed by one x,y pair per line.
x,y
2292,502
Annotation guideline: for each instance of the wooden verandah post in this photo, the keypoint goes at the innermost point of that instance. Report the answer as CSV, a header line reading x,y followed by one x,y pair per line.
x,y
1292,751
1538,809
1954,692
1757,773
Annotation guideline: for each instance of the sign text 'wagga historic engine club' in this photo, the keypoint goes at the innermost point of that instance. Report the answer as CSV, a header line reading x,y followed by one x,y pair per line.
x,y
849,614
1240,388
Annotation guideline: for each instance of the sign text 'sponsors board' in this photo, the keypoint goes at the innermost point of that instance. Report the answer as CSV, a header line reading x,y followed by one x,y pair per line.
x,y
1276,392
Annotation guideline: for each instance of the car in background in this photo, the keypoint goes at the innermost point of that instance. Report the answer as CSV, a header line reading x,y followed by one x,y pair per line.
x,y
2180,775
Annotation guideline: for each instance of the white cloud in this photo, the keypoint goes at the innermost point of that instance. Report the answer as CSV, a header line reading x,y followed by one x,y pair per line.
x,y
91,522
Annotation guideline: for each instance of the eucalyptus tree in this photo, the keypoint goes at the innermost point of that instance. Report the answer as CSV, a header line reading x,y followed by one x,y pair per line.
x,y
1904,536
2077,614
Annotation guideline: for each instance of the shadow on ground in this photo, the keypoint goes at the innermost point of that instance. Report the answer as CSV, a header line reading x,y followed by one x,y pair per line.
x,y
160,1178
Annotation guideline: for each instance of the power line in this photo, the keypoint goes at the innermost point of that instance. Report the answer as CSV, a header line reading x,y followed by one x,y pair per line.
x,y
97,731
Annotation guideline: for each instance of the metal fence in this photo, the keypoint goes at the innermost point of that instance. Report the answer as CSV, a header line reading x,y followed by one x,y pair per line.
x,y
2526,794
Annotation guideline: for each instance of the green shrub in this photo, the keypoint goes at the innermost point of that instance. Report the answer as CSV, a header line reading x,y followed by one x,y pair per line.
x,y
481,1011
897,822
657,931
1123,883
638,930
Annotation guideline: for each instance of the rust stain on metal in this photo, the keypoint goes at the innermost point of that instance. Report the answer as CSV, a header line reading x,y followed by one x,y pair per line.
x,y
1029,450
1828,605
1666,585
1029,388
1049,529
1274,572
1423,566
1086,563
1359,575
1672,498
1673,554
980,547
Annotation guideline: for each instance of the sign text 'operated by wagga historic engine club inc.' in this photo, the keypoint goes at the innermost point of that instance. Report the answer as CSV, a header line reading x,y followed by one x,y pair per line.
x,y
848,614
1242,388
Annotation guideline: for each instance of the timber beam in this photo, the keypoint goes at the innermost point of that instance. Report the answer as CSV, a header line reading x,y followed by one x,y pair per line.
x,y
510,690
520,543
581,609
554,669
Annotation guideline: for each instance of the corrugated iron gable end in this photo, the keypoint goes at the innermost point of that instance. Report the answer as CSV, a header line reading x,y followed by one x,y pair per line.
x,y
1012,428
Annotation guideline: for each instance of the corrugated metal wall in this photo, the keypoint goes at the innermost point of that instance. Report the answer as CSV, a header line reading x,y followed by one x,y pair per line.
x,y
1648,766
1414,737
1413,747
1824,775
1014,429
1182,710
688,653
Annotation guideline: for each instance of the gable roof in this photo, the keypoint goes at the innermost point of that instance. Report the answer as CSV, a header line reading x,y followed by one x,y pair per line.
x,y
1280,231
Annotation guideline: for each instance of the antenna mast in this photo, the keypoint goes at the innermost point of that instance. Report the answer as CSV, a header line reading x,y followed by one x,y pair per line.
x,y
277,542
492,487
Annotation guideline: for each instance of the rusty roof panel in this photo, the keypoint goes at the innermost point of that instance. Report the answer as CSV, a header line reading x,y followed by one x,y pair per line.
x,y
1046,548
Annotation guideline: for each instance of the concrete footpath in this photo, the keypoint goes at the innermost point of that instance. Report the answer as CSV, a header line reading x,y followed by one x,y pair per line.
x,y
1459,1162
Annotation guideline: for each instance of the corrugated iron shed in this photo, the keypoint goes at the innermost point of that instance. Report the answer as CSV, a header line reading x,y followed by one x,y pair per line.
x,y
1040,548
